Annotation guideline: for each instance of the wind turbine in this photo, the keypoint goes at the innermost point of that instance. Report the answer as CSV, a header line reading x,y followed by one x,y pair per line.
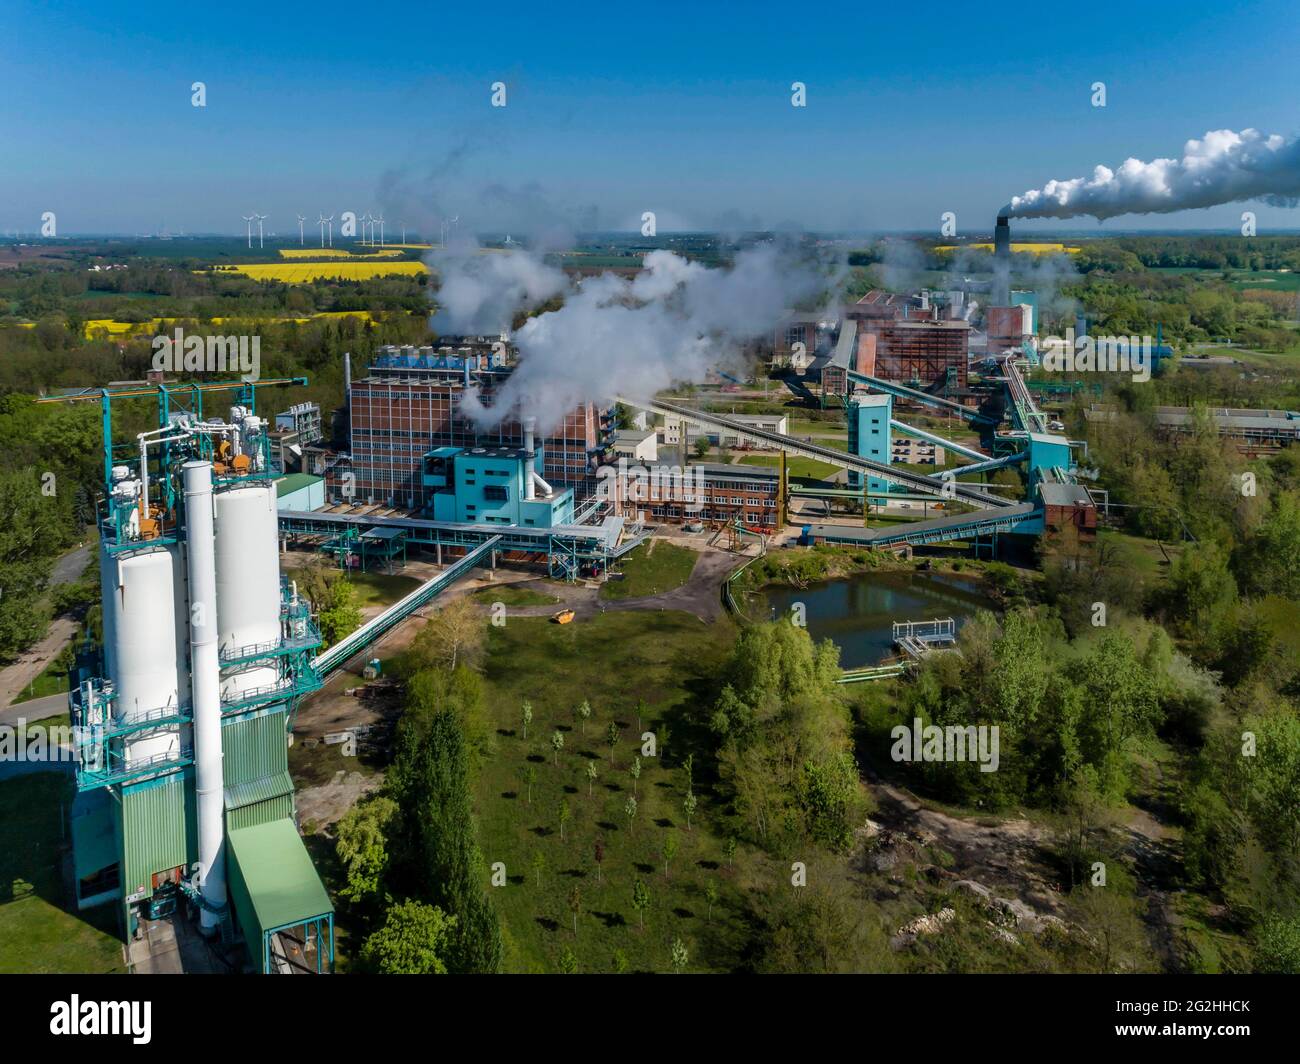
x,y
323,223
260,218
249,219
380,220
301,219
403,232
364,219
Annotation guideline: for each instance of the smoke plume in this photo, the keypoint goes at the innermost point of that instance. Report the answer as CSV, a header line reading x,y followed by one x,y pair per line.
x,y
1221,167
674,322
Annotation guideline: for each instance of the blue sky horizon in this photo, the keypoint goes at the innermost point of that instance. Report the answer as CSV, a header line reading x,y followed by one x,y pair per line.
x,y
681,110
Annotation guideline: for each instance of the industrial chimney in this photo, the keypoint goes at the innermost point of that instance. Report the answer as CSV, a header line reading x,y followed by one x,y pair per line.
x,y
1002,262
530,430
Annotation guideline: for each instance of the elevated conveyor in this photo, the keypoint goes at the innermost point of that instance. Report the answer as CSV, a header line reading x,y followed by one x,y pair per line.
x,y
970,494
1022,517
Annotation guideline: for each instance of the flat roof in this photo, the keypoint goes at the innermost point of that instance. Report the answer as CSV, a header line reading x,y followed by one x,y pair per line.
x,y
282,882
1054,494
292,482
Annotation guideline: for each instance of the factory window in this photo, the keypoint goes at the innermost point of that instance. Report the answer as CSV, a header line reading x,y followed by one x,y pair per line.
x,y
495,493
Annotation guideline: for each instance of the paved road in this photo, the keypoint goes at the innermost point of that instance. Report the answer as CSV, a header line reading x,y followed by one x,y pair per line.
x,y
71,565
35,709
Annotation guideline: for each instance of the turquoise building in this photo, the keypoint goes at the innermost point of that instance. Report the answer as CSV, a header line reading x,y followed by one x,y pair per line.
x,y
869,415
494,486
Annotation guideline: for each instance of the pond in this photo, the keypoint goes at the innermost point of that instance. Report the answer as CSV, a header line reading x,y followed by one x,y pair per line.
x,y
857,613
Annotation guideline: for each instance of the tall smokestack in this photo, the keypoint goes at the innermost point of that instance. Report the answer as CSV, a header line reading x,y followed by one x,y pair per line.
x,y
205,680
530,430
1002,262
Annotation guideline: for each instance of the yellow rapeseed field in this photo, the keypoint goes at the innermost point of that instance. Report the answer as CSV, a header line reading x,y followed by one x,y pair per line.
x,y
304,273
1033,249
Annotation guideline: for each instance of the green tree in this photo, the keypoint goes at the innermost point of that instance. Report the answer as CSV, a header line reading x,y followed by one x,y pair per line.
x,y
526,715
688,807
415,940
341,614
711,896
584,714
456,633
679,956
440,857
562,815
539,865
612,734
668,850
362,845
530,778
730,850
635,772
557,744
1277,945
568,961
629,810
591,776
640,900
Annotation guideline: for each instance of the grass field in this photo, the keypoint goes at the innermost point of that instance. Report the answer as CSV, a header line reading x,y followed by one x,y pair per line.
x,y
36,934
675,659
305,273
796,465
512,595
650,571
381,589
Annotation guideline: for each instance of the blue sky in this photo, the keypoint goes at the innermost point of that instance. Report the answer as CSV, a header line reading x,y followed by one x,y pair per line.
x,y
677,109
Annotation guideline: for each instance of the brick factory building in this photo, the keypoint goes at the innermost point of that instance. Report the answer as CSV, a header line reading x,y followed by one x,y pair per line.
x,y
409,406
905,339
705,491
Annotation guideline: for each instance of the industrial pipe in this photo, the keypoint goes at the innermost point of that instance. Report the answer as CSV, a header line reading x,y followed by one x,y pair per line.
x,y
205,680
530,430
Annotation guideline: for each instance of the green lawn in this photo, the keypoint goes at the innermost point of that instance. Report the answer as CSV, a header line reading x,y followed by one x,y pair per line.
x,y
675,660
37,935
795,466
381,589
651,569
53,680
513,595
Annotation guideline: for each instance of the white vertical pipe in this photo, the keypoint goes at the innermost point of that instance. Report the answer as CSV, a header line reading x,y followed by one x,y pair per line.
x,y
205,679
530,426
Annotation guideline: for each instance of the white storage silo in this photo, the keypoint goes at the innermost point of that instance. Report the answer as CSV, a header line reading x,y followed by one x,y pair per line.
x,y
248,582
139,598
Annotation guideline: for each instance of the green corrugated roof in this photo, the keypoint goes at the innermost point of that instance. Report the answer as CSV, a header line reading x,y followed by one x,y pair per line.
x,y
258,790
292,482
281,881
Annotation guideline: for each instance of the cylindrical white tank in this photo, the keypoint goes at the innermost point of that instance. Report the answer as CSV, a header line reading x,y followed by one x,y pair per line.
x,y
204,681
139,616
248,581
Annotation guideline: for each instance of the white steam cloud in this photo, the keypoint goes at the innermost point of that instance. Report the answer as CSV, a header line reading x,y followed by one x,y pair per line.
x,y
674,322
479,291
1221,167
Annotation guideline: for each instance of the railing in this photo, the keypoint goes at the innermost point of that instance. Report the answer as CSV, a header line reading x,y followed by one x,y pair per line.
x,y
126,771
373,629
303,681
939,630
271,648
